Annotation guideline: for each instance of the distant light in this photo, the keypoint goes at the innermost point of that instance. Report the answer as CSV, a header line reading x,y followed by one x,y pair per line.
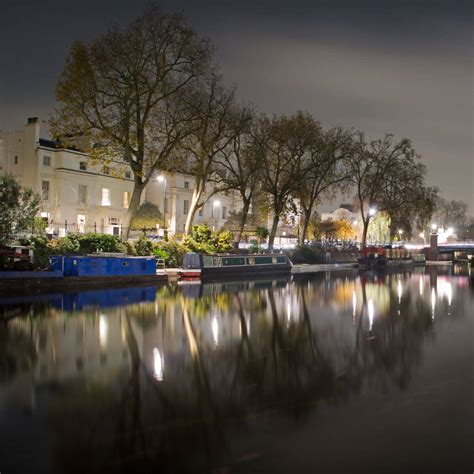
x,y
372,211
450,231
422,235
434,226
354,222
161,178
216,203
400,231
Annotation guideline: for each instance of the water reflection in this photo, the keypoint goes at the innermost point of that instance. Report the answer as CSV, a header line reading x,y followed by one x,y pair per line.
x,y
172,377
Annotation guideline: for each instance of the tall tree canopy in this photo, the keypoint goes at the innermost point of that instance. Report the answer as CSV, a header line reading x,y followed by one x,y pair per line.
x,y
121,93
387,174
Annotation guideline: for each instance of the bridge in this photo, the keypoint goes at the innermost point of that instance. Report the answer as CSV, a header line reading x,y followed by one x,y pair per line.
x,y
451,250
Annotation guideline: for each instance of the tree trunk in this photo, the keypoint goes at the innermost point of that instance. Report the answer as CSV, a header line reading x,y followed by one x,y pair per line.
x,y
364,233
193,208
304,230
243,220
132,209
271,238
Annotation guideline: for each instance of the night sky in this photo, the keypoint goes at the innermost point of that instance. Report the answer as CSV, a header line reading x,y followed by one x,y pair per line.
x,y
404,67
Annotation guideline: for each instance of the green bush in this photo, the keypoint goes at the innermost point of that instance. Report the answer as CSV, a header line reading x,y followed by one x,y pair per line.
x,y
83,244
144,246
172,252
204,240
304,254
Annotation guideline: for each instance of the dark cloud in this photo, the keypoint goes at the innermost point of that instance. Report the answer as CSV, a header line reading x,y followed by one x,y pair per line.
x,y
403,66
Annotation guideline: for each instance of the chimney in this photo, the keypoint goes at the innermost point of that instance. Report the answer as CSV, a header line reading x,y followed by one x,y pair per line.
x,y
32,119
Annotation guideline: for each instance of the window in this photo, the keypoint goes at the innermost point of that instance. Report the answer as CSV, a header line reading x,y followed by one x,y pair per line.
x,y
201,211
106,170
166,206
126,199
16,160
186,185
185,206
82,194
46,160
45,190
81,223
128,174
224,212
113,221
82,165
105,197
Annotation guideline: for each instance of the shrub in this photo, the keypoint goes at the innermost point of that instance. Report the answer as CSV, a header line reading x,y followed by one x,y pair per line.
x,y
172,252
304,254
204,240
144,246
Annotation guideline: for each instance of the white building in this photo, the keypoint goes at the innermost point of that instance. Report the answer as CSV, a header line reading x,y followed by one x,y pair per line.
x,y
82,196
339,214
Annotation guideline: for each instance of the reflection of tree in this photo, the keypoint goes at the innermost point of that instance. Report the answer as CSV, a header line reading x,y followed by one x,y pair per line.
x,y
127,419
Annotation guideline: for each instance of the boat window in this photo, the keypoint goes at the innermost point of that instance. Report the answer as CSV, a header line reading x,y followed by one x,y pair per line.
x,y
263,260
208,261
281,259
251,261
227,261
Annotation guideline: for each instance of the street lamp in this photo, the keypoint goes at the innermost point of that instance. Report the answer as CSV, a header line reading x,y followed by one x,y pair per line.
x,y
162,179
434,227
372,211
215,205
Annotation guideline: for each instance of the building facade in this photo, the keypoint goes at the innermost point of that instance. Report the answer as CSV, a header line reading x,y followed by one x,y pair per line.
x,y
79,195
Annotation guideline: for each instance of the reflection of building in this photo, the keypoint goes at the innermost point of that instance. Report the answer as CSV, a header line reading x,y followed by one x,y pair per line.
x,y
80,195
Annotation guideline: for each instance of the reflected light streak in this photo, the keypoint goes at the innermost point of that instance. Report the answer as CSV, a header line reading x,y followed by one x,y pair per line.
x,y
354,306
421,285
370,310
399,291
103,331
433,303
158,365
215,330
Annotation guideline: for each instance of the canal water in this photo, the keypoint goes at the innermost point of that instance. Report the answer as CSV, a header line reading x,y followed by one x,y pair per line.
x,y
333,372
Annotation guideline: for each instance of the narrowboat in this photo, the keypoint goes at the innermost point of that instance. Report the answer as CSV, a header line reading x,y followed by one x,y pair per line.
x,y
197,266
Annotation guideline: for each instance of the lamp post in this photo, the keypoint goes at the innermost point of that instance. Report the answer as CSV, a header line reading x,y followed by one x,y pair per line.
x,y
162,179
215,205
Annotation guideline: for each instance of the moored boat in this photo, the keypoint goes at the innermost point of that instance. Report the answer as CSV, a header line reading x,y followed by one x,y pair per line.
x,y
210,266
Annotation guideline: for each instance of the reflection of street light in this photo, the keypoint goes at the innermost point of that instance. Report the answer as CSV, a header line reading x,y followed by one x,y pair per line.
x,y
215,205
162,179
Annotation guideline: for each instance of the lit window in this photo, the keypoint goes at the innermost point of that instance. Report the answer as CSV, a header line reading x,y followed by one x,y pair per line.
x,y
126,199
186,185
185,206
45,190
82,165
82,194
105,197
46,161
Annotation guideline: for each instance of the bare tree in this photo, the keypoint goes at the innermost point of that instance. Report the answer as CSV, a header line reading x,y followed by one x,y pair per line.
x,y
216,123
386,174
119,92
324,164
239,166
282,142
